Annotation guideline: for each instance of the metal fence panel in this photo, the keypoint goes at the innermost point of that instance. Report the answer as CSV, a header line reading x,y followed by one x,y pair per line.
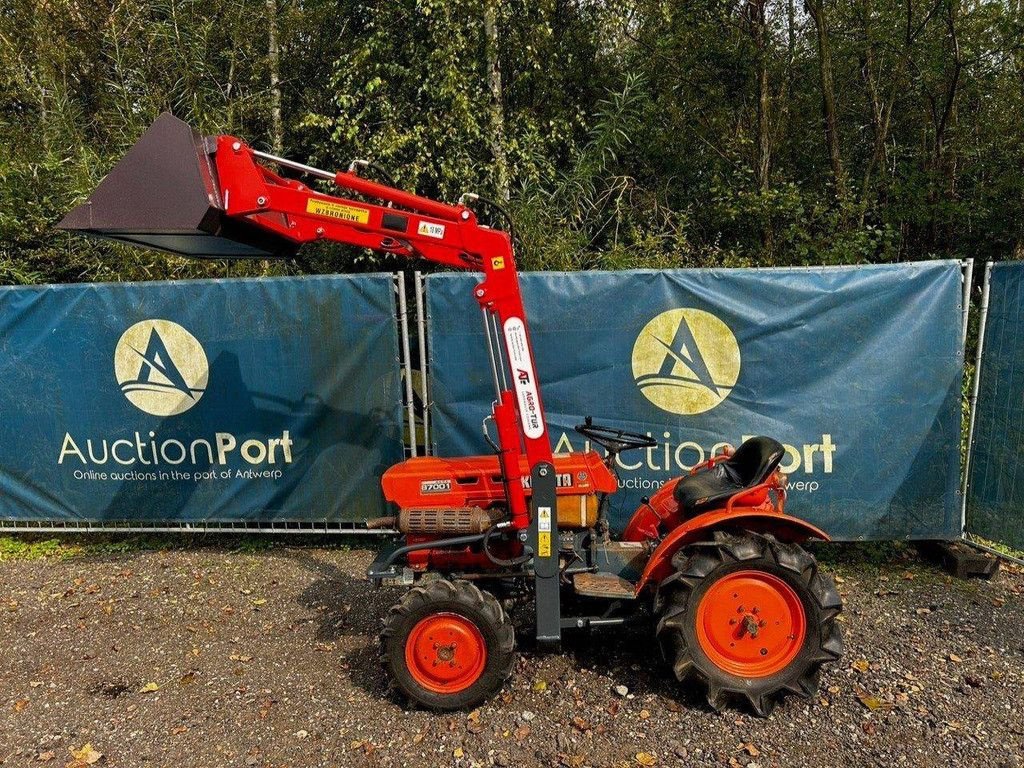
x,y
231,401
856,369
995,498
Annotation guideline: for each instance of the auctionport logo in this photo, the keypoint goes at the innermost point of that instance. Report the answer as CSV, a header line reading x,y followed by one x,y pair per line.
x,y
160,367
686,361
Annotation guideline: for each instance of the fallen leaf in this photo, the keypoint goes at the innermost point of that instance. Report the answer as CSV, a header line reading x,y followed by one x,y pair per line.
x,y
953,657
861,665
540,685
149,688
179,729
646,758
873,702
260,601
417,738
644,714
751,750
458,753
21,705
522,732
581,724
86,755
47,756
240,657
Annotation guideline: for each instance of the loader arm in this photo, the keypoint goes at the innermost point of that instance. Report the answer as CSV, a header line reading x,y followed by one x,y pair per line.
x,y
416,227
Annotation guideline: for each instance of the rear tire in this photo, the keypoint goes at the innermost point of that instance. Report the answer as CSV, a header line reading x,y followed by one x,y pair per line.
x,y
447,645
746,615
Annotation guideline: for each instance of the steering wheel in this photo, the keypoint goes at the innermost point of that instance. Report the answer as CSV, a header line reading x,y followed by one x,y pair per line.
x,y
614,440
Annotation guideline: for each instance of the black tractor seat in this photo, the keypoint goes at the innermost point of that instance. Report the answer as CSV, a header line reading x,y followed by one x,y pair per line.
x,y
751,465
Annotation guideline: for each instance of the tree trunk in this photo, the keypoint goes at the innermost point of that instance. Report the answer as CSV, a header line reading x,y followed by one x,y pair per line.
x,y
945,167
816,9
755,13
759,34
880,109
496,106
791,30
274,64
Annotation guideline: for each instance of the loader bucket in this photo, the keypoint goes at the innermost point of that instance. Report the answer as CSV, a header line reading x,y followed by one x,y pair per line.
x,y
164,194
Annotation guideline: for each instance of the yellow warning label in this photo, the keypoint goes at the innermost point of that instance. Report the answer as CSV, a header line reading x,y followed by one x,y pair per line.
x,y
338,211
544,544
498,262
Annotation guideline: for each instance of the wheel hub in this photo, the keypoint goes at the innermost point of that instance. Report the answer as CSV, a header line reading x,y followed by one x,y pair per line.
x,y
445,653
751,624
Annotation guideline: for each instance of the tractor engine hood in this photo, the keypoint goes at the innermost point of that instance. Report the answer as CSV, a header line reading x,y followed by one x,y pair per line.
x,y
164,194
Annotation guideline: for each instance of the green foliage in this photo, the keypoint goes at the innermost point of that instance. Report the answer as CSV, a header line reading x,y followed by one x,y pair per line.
x,y
35,547
637,134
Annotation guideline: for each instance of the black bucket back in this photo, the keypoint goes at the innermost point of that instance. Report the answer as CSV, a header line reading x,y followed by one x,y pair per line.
x,y
164,194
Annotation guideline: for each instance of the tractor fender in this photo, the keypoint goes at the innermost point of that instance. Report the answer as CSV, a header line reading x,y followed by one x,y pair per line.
x,y
701,527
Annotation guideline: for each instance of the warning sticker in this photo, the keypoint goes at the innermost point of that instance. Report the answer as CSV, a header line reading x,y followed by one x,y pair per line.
x,y
544,531
340,211
430,229
544,544
544,519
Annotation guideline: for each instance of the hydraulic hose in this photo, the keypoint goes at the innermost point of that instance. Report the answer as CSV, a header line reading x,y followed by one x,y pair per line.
x,y
502,562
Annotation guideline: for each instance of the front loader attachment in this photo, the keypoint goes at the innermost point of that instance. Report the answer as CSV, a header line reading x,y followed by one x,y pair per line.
x,y
165,194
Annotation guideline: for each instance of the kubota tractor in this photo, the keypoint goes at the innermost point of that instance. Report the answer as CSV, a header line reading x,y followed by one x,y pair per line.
x,y
711,561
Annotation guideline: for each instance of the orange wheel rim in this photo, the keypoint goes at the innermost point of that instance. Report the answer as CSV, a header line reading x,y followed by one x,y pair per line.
x,y
445,653
751,624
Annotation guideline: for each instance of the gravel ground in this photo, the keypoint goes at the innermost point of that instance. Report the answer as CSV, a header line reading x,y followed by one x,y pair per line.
x,y
210,657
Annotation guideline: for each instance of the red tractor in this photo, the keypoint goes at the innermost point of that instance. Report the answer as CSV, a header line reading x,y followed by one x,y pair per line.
x,y
711,560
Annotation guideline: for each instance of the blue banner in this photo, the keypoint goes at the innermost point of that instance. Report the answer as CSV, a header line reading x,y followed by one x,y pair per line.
x,y
995,507
857,370
209,400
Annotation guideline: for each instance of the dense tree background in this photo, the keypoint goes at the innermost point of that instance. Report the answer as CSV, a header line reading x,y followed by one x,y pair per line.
x,y
623,134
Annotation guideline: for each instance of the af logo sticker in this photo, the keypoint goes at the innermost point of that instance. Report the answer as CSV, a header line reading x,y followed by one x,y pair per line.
x,y
686,361
160,367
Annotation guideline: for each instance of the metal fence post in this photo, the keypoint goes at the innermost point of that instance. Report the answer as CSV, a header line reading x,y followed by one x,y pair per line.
x,y
973,400
968,282
403,318
424,367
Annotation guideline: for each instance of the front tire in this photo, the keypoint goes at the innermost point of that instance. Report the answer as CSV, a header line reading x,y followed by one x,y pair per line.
x,y
746,615
447,645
